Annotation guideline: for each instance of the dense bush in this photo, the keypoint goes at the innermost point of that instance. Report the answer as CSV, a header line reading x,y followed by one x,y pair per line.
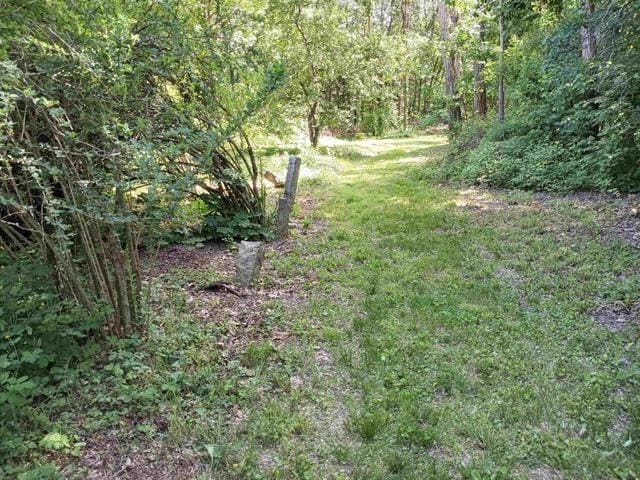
x,y
574,123
111,117
42,337
114,117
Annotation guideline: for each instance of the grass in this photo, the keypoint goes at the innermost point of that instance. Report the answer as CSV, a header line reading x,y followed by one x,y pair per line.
x,y
463,335
437,341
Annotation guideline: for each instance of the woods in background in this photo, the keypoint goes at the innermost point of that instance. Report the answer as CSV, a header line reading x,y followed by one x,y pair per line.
x,y
540,95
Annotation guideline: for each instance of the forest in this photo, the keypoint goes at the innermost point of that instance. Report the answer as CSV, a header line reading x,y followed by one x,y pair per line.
x,y
457,291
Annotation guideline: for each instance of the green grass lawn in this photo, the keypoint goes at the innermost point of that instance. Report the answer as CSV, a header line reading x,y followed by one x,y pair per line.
x,y
417,331
449,334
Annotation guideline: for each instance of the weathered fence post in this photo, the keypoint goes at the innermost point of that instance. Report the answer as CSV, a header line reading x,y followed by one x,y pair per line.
x,y
288,198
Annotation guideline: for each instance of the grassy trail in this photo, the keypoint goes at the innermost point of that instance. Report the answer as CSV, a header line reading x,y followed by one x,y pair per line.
x,y
448,335
405,330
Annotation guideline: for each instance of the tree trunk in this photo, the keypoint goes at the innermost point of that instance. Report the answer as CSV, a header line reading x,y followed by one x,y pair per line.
x,y
587,32
404,103
480,90
405,5
479,86
501,114
448,19
312,125
367,24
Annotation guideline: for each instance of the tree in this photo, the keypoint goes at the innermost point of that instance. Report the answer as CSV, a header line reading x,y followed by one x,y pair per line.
x,y
480,88
587,32
448,17
501,113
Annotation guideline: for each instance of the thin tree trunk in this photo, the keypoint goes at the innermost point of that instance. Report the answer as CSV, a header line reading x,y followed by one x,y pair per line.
x,y
367,25
312,124
501,114
448,20
480,90
404,103
587,32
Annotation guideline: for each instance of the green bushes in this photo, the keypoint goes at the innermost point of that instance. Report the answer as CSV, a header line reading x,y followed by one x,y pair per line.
x,y
573,124
587,143
41,336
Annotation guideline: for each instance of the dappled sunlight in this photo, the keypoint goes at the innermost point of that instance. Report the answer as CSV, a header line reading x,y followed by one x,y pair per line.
x,y
475,199
376,146
346,239
339,160
380,159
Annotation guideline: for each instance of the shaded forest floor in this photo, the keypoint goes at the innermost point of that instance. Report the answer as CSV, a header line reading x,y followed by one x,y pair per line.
x,y
405,330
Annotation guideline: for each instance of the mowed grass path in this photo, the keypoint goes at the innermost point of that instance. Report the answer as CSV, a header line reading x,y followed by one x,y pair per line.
x,y
448,333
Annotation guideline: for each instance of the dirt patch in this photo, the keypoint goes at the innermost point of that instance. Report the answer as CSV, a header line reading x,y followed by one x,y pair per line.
x,y
544,473
485,253
618,215
204,277
192,273
168,260
109,456
268,460
508,275
478,200
620,426
616,316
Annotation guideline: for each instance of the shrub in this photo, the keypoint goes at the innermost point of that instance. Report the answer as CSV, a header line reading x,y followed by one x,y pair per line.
x,y
572,125
41,337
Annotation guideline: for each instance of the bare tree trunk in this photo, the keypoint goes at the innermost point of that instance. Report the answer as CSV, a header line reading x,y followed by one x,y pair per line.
x,y
448,20
587,32
480,90
367,25
501,114
479,86
405,6
404,103
312,124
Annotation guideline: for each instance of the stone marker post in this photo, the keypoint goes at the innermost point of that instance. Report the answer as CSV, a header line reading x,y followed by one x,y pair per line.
x,y
282,219
291,183
288,198
249,262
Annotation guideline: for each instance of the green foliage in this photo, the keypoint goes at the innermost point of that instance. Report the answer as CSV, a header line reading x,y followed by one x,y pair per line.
x,y
368,424
274,421
112,116
352,70
43,472
410,354
445,357
257,354
573,123
42,338
55,441
238,225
